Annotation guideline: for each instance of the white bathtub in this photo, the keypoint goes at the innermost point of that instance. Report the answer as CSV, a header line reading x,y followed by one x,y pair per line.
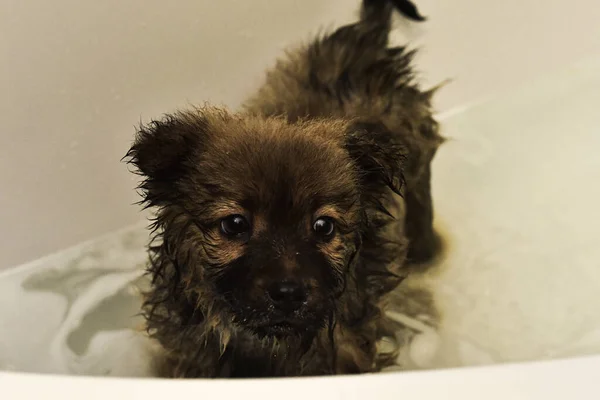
x,y
515,189
577,379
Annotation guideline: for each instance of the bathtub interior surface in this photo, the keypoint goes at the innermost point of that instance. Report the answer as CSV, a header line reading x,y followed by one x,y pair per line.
x,y
516,194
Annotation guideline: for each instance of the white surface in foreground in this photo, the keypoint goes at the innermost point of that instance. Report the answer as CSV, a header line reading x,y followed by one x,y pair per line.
x,y
557,380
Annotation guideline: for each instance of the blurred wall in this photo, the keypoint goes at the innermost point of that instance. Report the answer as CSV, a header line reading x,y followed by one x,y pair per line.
x,y
77,75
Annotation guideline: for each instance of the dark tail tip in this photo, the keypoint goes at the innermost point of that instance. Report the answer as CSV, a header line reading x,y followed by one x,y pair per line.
x,y
380,10
408,9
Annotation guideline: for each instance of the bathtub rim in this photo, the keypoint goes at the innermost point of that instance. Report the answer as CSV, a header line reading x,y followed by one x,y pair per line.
x,y
553,379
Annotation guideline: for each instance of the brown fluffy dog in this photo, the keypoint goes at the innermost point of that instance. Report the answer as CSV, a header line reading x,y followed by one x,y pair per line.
x,y
282,228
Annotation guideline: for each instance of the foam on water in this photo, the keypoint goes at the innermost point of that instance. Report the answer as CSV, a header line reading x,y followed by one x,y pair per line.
x,y
516,197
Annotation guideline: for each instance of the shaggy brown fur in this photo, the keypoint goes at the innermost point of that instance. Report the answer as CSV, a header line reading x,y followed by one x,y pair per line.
x,y
280,229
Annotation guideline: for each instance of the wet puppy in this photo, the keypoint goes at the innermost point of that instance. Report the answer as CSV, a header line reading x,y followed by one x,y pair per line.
x,y
281,229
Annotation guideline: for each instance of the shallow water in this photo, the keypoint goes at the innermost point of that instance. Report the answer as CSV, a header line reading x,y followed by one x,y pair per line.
x,y
516,197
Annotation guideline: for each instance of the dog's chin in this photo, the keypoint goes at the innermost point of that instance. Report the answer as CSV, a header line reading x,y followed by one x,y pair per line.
x,y
287,329
280,330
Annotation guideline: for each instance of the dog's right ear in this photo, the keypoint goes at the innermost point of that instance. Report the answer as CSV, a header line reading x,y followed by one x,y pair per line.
x,y
163,151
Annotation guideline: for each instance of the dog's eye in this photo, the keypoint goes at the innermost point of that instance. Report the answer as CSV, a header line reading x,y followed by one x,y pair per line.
x,y
324,227
235,225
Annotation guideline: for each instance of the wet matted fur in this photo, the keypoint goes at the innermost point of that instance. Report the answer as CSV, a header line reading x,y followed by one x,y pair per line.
x,y
281,229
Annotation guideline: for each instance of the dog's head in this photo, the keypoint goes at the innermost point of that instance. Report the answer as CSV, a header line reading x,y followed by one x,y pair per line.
x,y
262,218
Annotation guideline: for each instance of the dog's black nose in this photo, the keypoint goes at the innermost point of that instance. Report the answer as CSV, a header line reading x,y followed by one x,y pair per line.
x,y
288,295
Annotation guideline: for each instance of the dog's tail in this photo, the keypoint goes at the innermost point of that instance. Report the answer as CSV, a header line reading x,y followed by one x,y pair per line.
x,y
409,9
380,10
376,15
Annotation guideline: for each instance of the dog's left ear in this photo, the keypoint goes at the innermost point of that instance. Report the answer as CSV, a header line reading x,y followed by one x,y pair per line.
x,y
379,156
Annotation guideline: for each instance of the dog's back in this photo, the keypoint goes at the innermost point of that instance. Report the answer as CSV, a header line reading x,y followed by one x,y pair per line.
x,y
352,73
